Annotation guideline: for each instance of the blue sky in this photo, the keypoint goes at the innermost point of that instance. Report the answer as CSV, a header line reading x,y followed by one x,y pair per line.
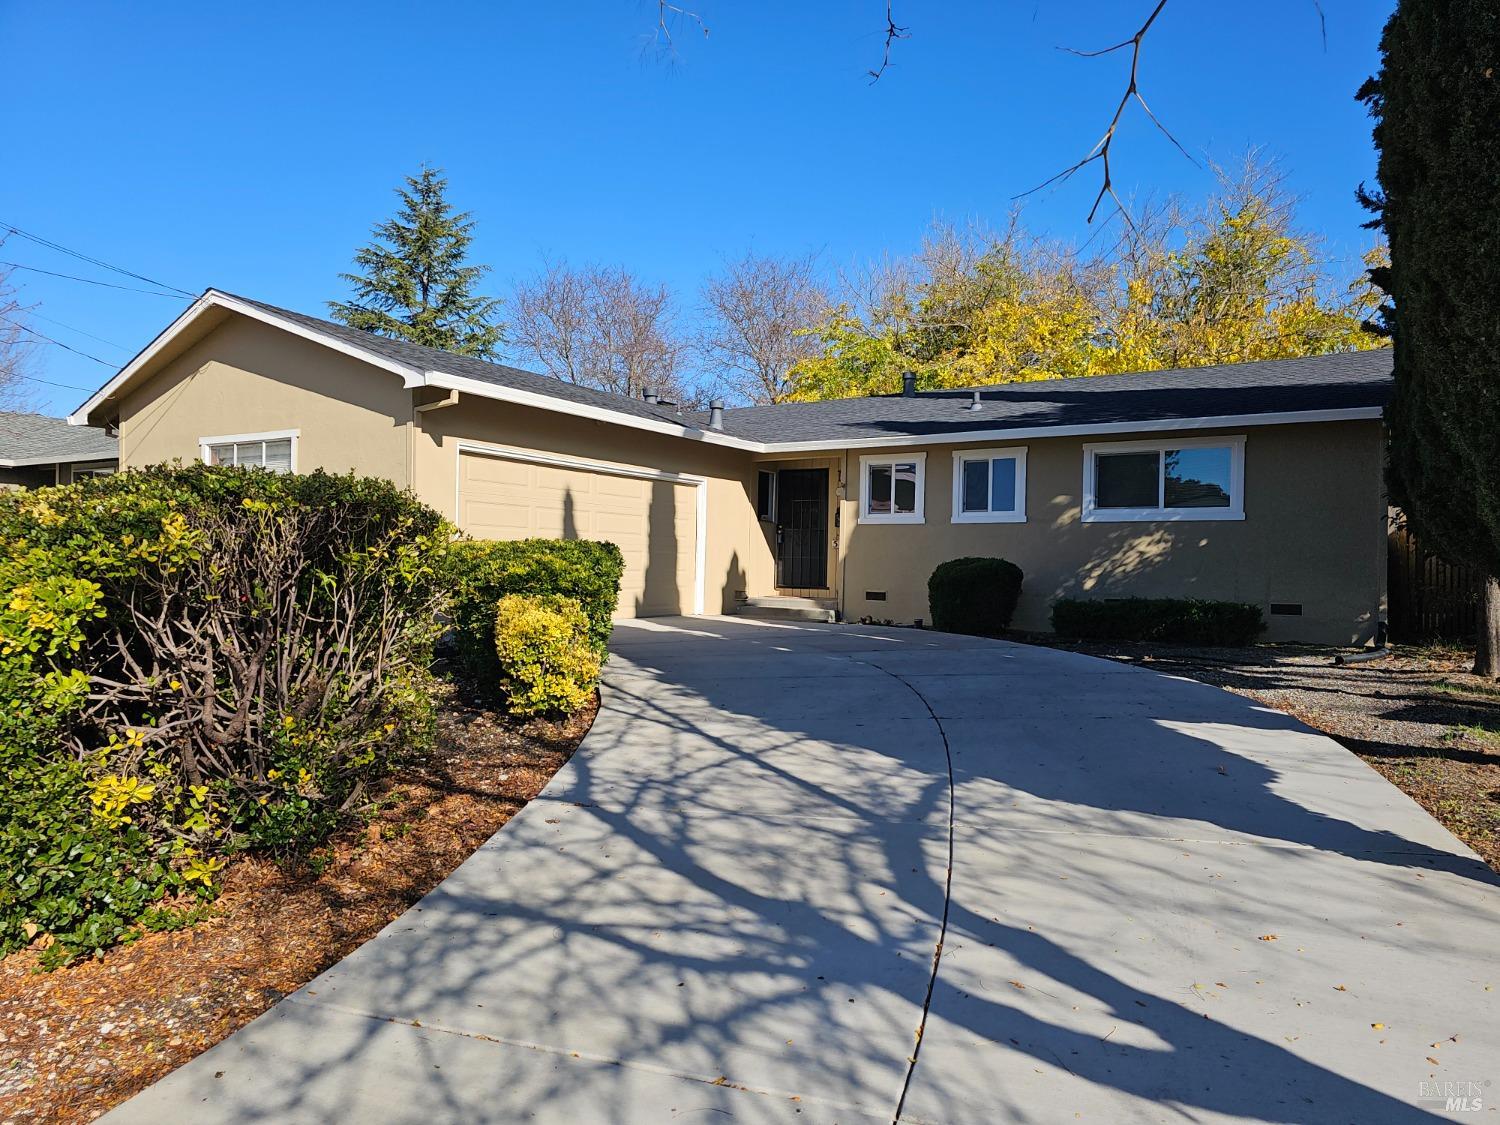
x,y
251,147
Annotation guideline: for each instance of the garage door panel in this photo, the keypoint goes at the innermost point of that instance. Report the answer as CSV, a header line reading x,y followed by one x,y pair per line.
x,y
653,522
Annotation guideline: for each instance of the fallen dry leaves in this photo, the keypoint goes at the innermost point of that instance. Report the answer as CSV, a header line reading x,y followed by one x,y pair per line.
x,y
75,1042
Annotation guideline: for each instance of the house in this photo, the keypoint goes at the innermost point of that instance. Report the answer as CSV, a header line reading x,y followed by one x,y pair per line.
x,y
36,450
1259,482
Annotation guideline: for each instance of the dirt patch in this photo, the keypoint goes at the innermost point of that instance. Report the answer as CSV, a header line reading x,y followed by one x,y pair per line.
x,y
77,1041
1419,717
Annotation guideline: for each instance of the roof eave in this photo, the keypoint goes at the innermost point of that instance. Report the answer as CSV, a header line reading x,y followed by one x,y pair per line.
x,y
212,299
55,459
1140,426
92,411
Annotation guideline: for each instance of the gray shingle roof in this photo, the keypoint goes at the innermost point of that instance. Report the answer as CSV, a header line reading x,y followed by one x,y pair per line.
x,y
27,437
1330,382
467,367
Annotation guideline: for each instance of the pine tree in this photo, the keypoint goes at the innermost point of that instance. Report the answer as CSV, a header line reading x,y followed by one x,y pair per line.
x,y
1436,101
414,283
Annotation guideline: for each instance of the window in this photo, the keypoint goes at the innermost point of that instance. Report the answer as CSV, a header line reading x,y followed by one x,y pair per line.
x,y
765,495
275,451
1193,479
989,486
891,489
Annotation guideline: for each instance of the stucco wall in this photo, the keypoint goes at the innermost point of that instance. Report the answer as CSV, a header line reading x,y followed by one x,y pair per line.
x,y
1313,532
1314,503
245,377
738,556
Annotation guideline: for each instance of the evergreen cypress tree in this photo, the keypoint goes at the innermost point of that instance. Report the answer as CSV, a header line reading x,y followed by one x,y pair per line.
x,y
413,282
1436,102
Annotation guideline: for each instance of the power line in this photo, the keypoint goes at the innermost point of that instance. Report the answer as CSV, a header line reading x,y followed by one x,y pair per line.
x,y
40,241
80,331
50,383
89,280
65,347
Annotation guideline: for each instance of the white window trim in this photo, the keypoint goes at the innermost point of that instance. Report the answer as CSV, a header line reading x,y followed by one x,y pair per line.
x,y
769,517
865,515
1018,454
206,443
1159,514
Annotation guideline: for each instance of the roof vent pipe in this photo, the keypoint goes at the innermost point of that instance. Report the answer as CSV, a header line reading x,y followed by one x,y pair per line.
x,y
716,414
649,395
908,384
976,404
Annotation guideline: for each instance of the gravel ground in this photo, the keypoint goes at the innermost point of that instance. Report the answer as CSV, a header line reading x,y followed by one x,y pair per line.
x,y
1418,717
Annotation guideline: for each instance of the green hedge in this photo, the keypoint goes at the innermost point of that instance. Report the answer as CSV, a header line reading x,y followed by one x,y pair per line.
x,y
1175,620
196,660
481,572
974,595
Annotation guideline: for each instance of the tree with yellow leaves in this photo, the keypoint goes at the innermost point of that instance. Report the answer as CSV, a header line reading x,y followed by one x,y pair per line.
x,y
1233,280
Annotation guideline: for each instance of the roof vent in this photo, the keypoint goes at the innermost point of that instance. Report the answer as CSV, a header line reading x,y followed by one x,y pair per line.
x,y
908,384
649,395
976,404
716,414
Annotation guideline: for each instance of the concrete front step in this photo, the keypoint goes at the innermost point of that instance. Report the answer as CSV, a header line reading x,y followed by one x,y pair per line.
x,y
788,609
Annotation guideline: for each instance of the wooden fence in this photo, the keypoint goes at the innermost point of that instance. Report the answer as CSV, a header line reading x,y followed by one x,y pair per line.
x,y
1430,597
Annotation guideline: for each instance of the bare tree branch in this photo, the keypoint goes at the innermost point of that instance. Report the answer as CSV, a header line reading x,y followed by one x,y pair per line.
x,y
761,313
17,341
892,33
602,327
1102,149
666,15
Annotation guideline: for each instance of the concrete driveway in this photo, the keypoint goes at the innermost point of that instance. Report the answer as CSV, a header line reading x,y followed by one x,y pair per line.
x,y
1153,901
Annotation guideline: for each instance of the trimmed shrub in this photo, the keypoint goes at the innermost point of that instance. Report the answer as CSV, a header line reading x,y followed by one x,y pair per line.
x,y
1188,621
546,662
197,660
976,596
481,572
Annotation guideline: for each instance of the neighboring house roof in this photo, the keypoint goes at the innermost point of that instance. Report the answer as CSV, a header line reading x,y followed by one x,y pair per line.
x,y
1320,388
35,439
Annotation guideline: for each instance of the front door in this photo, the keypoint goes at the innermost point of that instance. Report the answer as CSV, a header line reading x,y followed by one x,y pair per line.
x,y
802,528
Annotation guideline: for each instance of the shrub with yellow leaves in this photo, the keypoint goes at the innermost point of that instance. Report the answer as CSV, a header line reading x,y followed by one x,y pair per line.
x,y
547,664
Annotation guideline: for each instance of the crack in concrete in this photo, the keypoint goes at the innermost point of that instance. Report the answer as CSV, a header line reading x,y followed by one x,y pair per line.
x,y
937,953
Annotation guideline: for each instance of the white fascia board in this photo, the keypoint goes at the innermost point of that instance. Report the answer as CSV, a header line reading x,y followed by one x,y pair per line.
x,y
1227,421
54,459
212,298
482,389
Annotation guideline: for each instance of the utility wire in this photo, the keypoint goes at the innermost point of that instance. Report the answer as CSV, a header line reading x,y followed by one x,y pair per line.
x,y
89,280
65,347
50,383
80,331
40,241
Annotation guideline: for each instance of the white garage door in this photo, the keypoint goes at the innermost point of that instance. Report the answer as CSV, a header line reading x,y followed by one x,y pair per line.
x,y
653,520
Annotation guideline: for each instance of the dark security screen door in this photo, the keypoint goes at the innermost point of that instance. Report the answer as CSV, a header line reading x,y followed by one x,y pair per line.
x,y
802,528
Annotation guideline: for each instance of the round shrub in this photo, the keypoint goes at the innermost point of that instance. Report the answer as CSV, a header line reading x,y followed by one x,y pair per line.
x,y
976,596
546,662
481,572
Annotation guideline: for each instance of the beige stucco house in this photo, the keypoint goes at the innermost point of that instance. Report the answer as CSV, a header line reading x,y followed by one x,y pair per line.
x,y
1256,482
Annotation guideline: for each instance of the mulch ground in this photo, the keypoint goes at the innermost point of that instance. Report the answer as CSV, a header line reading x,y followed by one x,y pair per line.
x,y
1419,717
77,1041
